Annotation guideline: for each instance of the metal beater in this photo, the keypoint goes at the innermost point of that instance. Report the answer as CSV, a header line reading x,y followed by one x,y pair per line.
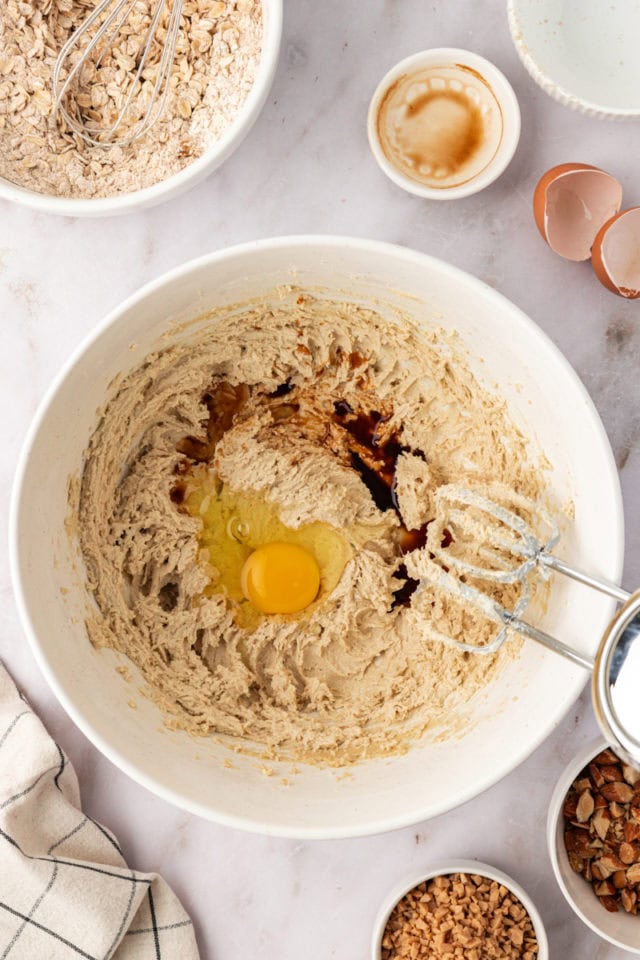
x,y
503,541
87,46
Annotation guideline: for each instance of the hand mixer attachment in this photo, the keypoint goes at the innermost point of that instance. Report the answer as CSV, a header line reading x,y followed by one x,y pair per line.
x,y
499,539
111,32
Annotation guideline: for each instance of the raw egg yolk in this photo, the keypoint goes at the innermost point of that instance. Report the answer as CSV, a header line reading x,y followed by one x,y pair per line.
x,y
280,578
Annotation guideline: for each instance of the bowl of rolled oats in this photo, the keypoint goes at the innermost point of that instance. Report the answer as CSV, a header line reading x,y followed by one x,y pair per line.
x,y
593,833
463,910
225,60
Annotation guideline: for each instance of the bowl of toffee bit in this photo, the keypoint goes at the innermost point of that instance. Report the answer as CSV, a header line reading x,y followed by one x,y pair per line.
x,y
465,910
98,158
593,832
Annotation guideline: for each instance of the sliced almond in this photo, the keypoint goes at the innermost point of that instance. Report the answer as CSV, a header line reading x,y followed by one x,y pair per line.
x,y
617,830
629,852
631,831
619,879
582,784
600,822
628,899
605,888
630,774
611,772
575,862
601,871
585,806
609,904
611,863
602,830
617,792
633,874
581,826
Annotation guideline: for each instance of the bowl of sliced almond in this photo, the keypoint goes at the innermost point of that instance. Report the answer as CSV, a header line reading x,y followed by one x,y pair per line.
x,y
593,832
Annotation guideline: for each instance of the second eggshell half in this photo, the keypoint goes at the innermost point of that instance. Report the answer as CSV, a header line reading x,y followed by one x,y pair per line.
x,y
616,254
571,203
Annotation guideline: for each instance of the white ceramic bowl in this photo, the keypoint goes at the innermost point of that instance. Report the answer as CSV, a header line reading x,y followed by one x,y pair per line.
x,y
583,54
460,866
503,92
212,158
621,929
505,722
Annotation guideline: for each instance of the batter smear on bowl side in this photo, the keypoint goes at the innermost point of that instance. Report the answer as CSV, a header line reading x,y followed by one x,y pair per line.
x,y
306,429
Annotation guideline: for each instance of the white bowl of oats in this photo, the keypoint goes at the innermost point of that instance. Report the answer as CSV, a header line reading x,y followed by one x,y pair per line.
x,y
226,57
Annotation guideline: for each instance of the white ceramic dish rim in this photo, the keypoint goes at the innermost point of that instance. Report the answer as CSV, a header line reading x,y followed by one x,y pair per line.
x,y
190,175
460,866
565,780
502,90
554,89
151,783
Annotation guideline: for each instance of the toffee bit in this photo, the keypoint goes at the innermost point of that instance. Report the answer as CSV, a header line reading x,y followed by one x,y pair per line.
x,y
459,915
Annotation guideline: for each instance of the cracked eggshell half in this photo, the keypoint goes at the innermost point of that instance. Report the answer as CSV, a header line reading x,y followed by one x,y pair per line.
x,y
616,254
571,203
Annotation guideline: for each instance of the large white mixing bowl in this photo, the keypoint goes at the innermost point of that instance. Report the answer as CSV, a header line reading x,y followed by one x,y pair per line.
x,y
511,717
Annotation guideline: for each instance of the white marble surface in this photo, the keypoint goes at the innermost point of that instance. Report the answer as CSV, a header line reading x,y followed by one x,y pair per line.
x,y
306,167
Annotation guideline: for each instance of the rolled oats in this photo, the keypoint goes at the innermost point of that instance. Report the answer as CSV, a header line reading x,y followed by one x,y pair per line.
x,y
217,54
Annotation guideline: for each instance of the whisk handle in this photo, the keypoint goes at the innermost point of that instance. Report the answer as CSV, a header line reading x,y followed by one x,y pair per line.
x,y
604,586
552,643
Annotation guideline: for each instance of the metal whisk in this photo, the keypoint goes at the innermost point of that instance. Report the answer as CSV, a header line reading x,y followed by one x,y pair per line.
x,y
86,48
494,543
502,541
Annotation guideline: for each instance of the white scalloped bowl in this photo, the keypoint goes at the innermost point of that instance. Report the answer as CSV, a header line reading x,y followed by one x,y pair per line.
x,y
505,722
189,176
583,54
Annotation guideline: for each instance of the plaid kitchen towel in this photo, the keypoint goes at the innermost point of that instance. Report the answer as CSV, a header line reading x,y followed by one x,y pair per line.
x,y
65,890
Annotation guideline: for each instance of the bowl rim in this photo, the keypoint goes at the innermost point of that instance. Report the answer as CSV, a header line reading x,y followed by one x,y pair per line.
x,y
502,91
564,781
214,155
444,867
153,783
551,86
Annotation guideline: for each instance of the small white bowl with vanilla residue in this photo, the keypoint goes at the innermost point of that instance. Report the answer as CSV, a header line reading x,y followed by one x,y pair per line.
x,y
444,123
